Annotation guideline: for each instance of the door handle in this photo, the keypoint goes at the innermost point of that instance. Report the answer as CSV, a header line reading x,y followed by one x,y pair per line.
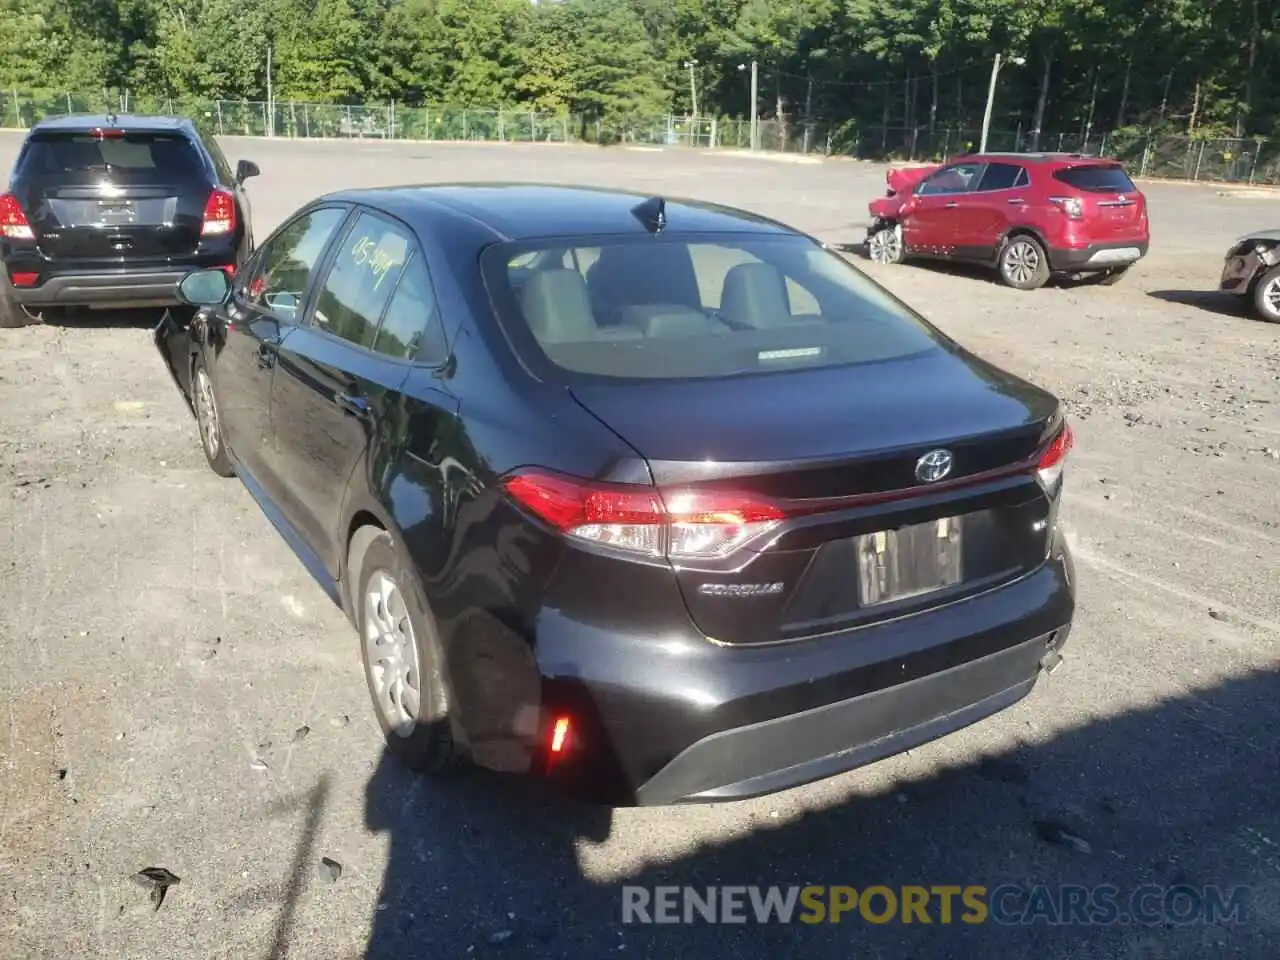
x,y
1015,200
950,204
356,406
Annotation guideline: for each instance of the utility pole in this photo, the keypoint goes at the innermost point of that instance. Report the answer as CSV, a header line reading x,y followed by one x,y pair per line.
x,y
991,98
755,97
693,86
271,102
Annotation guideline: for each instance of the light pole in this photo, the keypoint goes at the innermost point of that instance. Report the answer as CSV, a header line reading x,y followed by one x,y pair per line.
x,y
755,96
991,97
693,86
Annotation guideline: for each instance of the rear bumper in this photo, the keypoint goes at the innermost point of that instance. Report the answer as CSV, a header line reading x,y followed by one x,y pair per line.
x,y
667,719
118,288
1098,256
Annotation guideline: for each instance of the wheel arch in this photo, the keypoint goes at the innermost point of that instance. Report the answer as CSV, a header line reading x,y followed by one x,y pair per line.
x,y
1023,230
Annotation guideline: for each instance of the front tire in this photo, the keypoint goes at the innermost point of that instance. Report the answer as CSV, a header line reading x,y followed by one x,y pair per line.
x,y
209,421
886,246
1023,263
400,650
1266,296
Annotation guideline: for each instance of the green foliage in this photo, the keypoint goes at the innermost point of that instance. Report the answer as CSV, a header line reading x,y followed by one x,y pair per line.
x,y
850,62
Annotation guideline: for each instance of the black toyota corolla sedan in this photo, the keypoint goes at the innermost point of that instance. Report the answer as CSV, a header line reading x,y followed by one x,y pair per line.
x,y
662,500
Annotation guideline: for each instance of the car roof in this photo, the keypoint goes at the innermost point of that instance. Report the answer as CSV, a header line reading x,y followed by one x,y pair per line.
x,y
1037,158
133,122
525,211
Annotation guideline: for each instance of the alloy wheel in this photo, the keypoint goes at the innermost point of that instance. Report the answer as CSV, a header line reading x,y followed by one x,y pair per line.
x,y
1021,261
207,414
391,655
1271,297
885,246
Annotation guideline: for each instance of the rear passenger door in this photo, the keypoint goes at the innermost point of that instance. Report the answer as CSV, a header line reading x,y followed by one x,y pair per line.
x,y
337,388
997,203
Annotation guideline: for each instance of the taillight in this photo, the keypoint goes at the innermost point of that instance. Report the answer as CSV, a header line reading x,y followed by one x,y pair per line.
x,y
219,214
1054,458
24,279
13,222
106,133
1073,207
677,524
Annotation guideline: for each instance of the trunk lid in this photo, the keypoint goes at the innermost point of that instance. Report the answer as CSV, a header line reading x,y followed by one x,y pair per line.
x,y
1114,209
838,450
133,196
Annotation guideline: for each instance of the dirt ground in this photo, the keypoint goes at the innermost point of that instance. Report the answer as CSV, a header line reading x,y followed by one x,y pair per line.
x,y
175,692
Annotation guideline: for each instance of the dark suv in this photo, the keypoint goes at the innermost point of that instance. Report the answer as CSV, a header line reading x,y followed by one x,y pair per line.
x,y
112,211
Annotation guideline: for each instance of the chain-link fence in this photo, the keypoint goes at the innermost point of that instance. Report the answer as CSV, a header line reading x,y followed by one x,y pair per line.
x,y
1145,154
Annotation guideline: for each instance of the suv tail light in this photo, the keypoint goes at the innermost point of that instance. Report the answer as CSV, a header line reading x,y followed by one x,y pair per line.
x,y
219,214
680,525
1054,458
1073,207
13,221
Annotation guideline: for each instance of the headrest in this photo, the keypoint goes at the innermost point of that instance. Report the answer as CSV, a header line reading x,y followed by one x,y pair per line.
x,y
755,294
556,307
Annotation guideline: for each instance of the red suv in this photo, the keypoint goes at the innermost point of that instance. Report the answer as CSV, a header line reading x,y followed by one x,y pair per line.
x,y
1030,215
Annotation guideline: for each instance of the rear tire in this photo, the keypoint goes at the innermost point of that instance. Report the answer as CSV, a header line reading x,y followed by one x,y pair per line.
x,y
1023,263
1112,277
401,653
209,421
1266,296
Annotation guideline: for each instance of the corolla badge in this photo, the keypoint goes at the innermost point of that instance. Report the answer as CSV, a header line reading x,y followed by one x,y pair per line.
x,y
933,466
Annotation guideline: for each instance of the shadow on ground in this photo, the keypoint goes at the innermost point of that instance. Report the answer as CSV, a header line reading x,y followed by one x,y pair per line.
x,y
120,319
1212,301
1185,793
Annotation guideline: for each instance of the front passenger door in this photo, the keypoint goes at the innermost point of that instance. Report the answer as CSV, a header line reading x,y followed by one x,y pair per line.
x,y
260,312
931,221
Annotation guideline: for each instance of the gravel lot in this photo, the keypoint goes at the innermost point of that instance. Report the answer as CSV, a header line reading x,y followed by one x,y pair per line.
x,y
175,691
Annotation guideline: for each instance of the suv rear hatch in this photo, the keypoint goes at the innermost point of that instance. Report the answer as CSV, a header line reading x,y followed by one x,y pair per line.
x,y
827,463
1113,209
112,195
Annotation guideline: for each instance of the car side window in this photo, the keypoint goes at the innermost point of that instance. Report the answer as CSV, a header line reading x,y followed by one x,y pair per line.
x,y
411,326
1002,176
286,262
219,160
957,178
362,279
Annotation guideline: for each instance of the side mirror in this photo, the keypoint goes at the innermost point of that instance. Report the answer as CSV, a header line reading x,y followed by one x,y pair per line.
x,y
246,169
204,288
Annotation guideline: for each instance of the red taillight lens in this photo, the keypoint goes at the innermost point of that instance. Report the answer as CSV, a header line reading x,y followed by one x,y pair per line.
x,y
1054,458
219,214
24,279
13,221
560,735
678,524
103,133
1073,207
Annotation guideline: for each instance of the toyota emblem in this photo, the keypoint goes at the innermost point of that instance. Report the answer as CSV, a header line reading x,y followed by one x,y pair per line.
x,y
933,466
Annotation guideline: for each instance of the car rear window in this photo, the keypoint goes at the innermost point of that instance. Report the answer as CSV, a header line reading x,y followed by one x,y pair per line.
x,y
1098,178
135,157
683,307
